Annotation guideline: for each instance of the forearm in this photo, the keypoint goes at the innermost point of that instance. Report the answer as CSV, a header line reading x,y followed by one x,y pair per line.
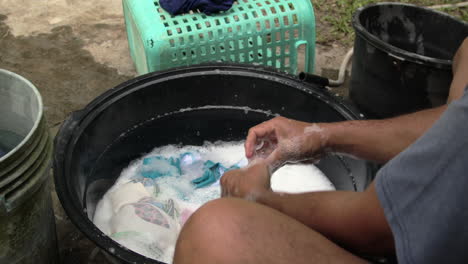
x,y
350,219
460,72
379,140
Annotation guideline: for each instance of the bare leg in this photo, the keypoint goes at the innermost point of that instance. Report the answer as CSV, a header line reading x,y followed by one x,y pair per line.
x,y
237,231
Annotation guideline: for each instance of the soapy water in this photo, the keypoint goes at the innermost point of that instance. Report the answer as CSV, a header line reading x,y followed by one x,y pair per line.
x,y
153,233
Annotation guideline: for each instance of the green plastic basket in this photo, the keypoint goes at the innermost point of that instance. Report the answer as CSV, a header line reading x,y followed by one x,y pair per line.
x,y
276,33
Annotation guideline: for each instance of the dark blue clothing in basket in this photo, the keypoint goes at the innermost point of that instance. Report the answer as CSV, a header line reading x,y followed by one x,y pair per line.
x,y
424,192
176,7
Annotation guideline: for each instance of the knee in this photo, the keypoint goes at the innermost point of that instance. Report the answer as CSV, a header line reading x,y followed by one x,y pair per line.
x,y
212,231
216,217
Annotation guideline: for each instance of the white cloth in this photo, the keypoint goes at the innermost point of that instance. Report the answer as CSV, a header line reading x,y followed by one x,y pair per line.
x,y
140,222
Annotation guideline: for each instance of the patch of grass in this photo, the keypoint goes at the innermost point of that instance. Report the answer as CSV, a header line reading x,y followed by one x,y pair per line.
x,y
461,13
334,17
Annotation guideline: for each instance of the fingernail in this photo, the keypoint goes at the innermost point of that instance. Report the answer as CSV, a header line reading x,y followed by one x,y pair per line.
x,y
260,145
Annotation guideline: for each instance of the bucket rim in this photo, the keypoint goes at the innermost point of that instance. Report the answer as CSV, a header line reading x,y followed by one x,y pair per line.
x,y
394,51
76,123
38,117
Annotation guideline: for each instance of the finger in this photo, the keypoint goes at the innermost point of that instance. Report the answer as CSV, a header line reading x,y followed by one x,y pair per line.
x,y
224,186
275,160
226,192
255,133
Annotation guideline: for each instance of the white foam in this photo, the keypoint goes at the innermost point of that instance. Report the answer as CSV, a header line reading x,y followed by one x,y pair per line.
x,y
295,178
300,178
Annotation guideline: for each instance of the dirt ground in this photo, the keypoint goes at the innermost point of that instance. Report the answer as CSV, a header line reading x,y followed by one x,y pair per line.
x,y
71,59
74,50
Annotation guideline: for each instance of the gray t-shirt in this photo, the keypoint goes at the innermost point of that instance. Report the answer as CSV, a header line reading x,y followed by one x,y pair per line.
x,y
424,192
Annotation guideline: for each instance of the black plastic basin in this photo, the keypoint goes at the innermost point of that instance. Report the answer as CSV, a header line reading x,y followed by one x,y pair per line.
x,y
402,58
181,106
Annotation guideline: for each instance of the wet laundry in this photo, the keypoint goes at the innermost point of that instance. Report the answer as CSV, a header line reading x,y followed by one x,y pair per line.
x,y
154,196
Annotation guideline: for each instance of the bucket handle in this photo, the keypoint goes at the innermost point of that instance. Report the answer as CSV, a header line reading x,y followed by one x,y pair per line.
x,y
302,44
397,61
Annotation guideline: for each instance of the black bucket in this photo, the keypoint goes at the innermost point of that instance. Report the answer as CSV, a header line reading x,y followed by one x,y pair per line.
x,y
402,58
182,106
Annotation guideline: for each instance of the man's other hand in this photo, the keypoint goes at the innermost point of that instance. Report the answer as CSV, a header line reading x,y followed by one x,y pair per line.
x,y
247,183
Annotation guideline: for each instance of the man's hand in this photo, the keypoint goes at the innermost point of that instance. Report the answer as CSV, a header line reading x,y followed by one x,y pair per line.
x,y
247,183
282,140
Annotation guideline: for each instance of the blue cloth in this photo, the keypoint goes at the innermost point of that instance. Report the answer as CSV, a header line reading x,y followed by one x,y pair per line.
x,y
424,194
176,7
212,173
159,166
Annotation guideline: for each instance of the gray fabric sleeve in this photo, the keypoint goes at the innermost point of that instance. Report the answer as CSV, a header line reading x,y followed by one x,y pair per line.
x,y
424,192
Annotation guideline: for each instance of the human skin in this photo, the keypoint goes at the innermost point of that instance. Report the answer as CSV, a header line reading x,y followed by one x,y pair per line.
x,y
318,227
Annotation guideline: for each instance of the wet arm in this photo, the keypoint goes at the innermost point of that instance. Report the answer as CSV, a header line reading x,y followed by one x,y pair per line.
x,y
381,140
354,220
